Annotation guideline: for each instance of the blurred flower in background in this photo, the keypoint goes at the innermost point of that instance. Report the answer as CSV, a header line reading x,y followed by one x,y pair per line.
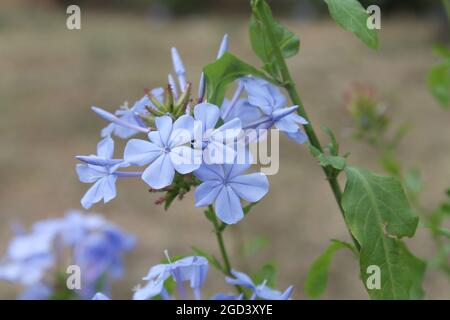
x,y
368,114
37,260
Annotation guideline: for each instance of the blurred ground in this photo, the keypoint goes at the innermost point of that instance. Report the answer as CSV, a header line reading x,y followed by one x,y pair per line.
x,y
51,76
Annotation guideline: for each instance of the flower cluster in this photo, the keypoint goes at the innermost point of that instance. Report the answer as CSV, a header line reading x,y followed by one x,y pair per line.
x,y
94,244
191,143
194,270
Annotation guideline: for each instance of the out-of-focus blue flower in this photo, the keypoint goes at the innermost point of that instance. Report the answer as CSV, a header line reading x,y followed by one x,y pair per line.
x,y
167,152
100,170
131,116
95,245
38,291
224,185
217,144
100,296
193,269
261,291
100,256
269,106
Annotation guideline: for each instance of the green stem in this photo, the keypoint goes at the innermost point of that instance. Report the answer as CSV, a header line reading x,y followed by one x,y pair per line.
x,y
289,85
223,251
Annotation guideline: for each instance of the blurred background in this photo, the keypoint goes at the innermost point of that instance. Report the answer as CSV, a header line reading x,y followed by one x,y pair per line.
x,y
50,76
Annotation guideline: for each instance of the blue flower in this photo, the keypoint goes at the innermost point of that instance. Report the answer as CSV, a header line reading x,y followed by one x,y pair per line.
x,y
99,256
38,291
268,101
100,169
261,291
126,122
193,269
224,185
93,243
217,144
100,296
168,151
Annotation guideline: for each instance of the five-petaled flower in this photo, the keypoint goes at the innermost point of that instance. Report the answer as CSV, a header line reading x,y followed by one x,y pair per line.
x,y
218,144
100,169
168,151
224,185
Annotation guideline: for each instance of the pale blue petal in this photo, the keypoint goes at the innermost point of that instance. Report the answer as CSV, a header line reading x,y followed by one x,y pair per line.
x,y
140,152
154,137
251,187
105,148
299,136
295,117
209,172
88,174
240,279
160,173
286,125
164,126
93,195
266,293
100,161
182,131
109,188
108,130
208,114
207,192
218,153
228,206
234,170
150,290
185,159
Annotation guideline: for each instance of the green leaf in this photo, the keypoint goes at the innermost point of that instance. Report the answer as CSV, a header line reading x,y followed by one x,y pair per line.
x,y
438,81
336,162
317,277
351,16
211,258
224,71
268,272
441,50
333,146
286,40
378,215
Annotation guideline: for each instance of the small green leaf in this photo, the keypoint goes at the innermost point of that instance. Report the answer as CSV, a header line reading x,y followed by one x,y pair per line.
x,y
378,215
351,16
317,277
438,81
333,146
224,71
211,258
286,40
336,162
